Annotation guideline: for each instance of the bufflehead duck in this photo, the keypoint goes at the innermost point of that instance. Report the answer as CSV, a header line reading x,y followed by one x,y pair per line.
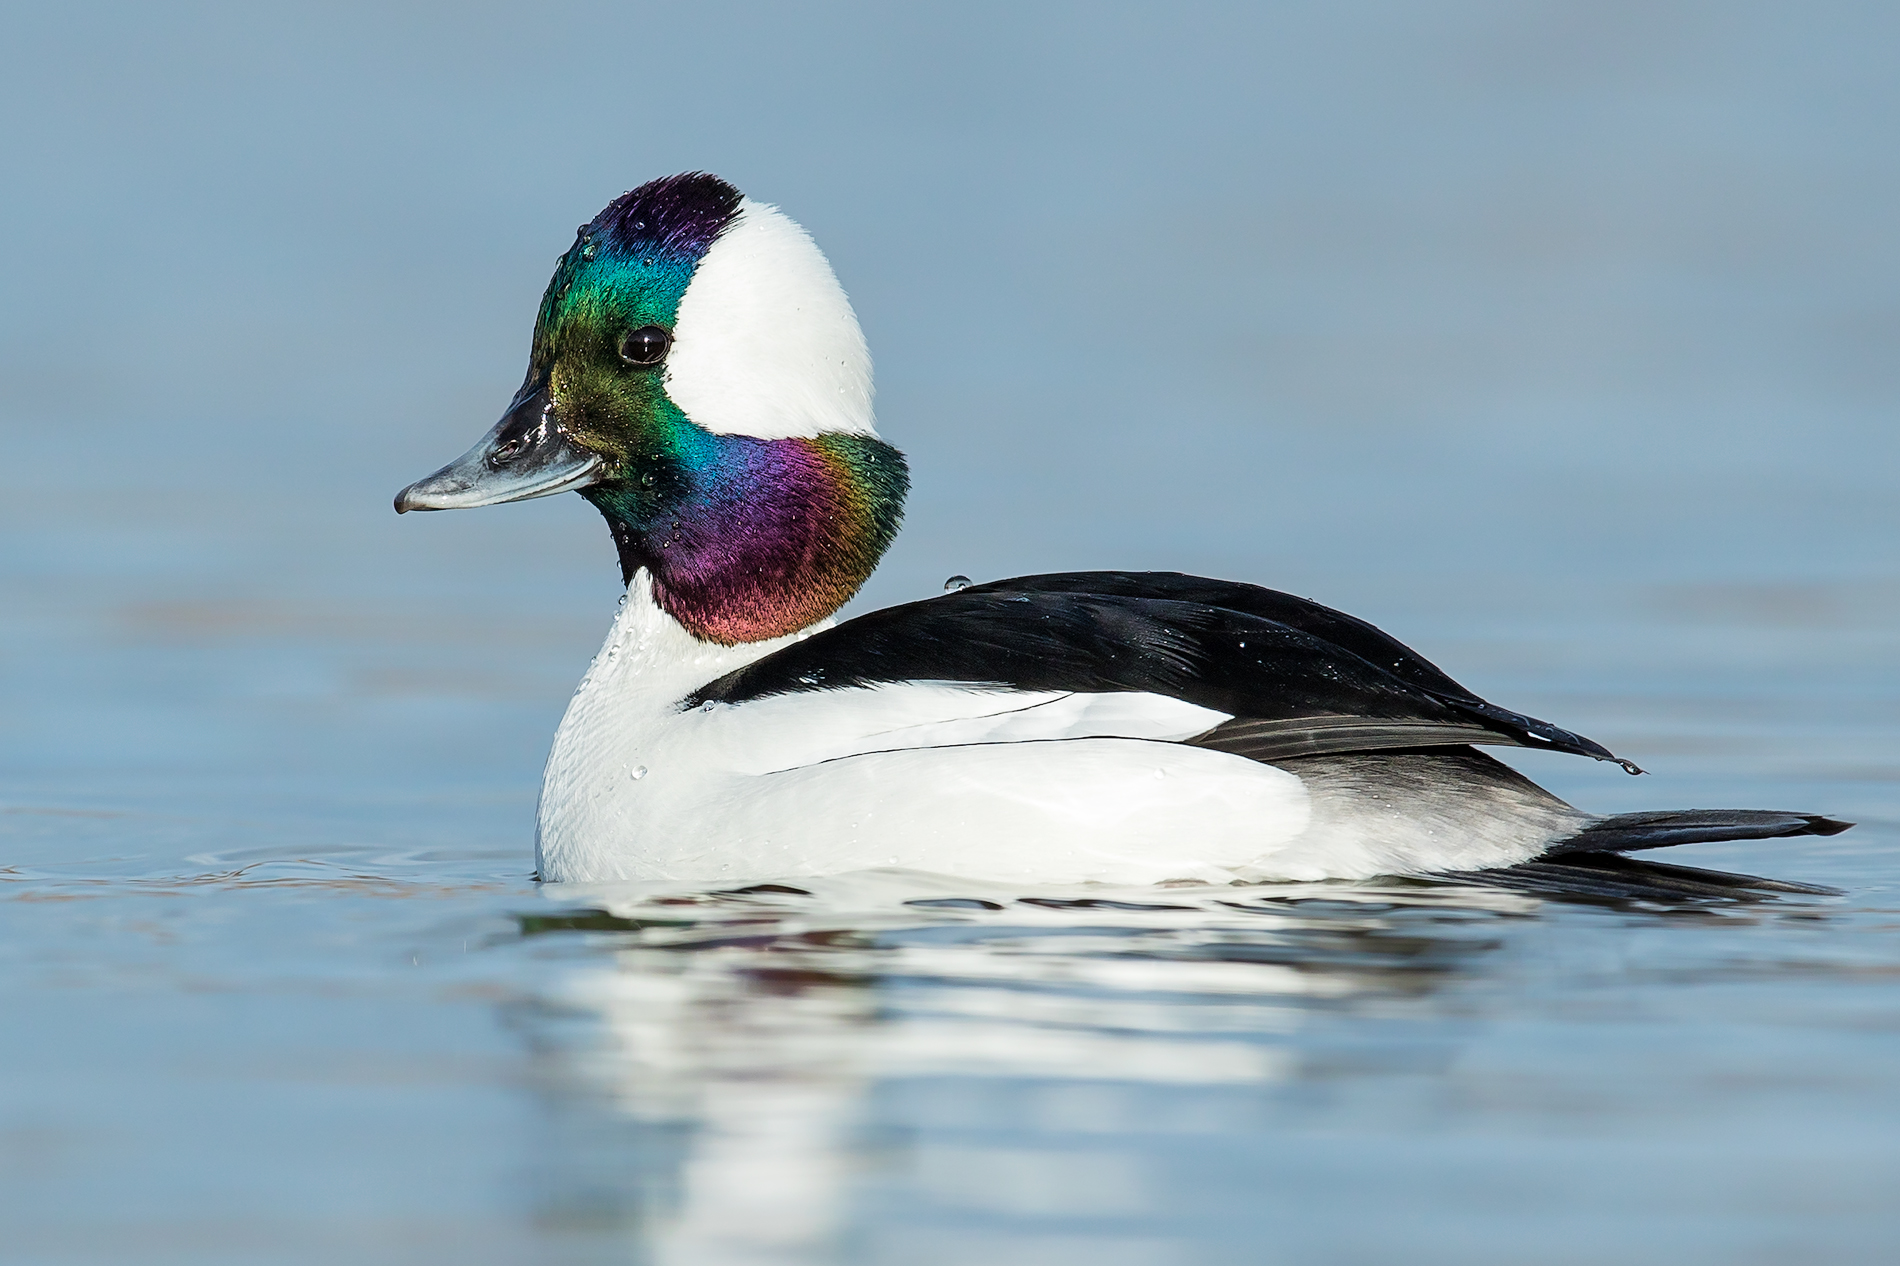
x,y
699,376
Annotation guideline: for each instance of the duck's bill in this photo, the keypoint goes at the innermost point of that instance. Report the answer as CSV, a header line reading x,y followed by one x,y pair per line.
x,y
525,456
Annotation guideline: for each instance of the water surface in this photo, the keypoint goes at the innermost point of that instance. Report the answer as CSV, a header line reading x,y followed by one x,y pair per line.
x,y
1558,340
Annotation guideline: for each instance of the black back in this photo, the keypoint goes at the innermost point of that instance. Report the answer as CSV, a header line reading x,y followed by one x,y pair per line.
x,y
1298,678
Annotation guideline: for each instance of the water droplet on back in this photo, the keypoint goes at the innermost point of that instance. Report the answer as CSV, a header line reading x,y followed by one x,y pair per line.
x,y
637,772
955,583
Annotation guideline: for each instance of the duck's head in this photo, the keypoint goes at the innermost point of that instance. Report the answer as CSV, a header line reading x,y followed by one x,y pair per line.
x,y
698,375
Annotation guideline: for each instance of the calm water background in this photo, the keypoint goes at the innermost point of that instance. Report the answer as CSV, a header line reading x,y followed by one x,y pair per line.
x,y
1562,340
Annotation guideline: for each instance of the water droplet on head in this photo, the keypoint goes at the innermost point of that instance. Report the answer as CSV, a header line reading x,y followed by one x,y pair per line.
x,y
955,583
637,772
589,250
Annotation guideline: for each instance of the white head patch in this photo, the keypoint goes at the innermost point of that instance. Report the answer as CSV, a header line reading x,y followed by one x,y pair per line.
x,y
766,343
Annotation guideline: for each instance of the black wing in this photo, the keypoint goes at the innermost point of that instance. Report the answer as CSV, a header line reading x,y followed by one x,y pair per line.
x,y
1297,678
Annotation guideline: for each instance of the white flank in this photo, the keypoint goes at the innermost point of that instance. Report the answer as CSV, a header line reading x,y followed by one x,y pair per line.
x,y
984,783
766,343
990,783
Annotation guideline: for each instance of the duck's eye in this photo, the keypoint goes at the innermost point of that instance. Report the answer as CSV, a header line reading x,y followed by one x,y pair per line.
x,y
645,346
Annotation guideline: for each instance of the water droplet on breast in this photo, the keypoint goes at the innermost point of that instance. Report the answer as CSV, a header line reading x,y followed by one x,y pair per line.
x,y
1161,773
637,772
955,583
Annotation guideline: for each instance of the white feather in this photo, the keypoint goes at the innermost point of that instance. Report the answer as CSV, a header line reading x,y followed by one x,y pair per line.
x,y
1043,787
789,731
980,782
766,343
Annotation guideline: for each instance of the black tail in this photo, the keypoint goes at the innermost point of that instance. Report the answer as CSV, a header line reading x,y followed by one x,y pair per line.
x,y
1586,865
1606,877
1627,832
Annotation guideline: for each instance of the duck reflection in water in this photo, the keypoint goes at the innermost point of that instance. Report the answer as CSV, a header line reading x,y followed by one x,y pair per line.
x,y
772,1074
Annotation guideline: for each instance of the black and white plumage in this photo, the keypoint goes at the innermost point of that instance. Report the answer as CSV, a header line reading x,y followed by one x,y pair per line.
x,y
1297,678
1094,726
698,375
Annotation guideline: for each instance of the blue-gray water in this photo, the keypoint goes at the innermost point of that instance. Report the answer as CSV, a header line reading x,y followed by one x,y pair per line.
x,y
1562,340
